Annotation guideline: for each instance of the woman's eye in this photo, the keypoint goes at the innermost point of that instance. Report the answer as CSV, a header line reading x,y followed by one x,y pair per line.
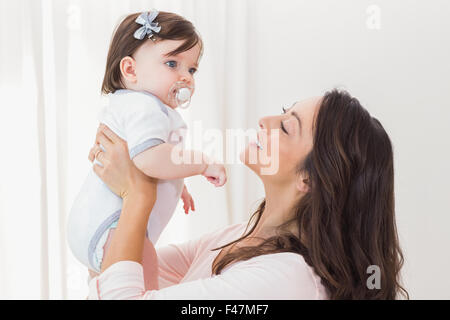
x,y
192,70
282,125
172,64
283,128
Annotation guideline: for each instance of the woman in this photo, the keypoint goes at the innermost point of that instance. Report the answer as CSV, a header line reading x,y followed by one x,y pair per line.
x,y
328,215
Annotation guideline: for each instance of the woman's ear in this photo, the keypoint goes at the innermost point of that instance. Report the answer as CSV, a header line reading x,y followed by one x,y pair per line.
x,y
302,183
128,69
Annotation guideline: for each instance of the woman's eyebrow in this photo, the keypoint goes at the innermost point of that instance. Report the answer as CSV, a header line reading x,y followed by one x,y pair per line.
x,y
291,106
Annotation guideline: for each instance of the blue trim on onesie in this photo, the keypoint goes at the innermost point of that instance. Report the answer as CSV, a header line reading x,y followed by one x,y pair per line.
x,y
109,223
150,143
98,234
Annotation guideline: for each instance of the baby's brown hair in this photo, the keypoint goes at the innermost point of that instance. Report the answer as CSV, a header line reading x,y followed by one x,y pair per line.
x,y
123,44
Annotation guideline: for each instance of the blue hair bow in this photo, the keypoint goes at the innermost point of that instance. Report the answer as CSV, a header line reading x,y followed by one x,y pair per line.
x,y
148,26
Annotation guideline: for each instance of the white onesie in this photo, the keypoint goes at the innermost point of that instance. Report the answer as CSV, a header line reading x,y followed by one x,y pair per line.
x,y
144,122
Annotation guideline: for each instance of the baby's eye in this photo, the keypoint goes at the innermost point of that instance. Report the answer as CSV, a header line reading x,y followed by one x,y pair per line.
x,y
284,109
171,64
192,70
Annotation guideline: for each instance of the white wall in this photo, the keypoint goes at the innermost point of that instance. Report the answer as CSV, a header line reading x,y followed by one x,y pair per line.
x,y
401,74
259,56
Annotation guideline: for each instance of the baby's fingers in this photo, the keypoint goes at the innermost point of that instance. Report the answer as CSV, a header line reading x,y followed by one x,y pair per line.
x,y
186,203
212,180
221,180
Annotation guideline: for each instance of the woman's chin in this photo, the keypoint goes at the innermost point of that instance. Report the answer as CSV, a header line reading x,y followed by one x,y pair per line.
x,y
249,157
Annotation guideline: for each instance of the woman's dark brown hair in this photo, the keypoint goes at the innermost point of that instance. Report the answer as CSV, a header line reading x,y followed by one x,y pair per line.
x,y
123,44
347,219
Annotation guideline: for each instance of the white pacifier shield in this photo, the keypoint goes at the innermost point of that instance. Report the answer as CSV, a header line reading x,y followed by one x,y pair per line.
x,y
184,94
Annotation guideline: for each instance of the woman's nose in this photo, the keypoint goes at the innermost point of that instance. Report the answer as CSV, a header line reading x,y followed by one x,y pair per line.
x,y
265,122
269,123
261,125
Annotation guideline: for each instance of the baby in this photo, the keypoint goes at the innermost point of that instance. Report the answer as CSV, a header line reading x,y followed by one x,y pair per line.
x,y
150,71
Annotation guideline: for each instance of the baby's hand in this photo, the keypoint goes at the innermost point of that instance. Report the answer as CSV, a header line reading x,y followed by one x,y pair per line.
x,y
187,200
216,174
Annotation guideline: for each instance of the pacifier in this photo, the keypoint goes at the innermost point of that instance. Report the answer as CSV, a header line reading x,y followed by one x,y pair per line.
x,y
180,94
254,139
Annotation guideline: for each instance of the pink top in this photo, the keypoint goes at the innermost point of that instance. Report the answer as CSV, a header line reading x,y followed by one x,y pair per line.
x,y
185,273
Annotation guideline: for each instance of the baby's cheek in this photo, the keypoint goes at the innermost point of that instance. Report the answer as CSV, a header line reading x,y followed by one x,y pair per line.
x,y
161,91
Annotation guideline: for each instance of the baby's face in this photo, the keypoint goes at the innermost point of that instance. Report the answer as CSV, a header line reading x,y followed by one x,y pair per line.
x,y
156,72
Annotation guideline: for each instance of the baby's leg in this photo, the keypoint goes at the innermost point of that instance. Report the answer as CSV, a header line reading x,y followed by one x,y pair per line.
x,y
148,255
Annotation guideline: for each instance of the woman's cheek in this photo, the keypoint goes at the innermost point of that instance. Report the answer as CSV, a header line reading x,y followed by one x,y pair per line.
x,y
287,155
276,144
269,156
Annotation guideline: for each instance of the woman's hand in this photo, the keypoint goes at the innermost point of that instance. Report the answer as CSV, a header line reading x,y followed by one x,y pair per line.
x,y
117,170
137,190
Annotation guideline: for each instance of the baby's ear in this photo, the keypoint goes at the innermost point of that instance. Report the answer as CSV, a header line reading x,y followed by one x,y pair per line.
x,y
128,69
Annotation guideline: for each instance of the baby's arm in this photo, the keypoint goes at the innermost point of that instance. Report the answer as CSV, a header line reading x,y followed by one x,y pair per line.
x,y
157,162
148,124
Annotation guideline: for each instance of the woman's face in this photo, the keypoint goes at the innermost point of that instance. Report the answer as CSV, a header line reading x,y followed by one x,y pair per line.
x,y
286,140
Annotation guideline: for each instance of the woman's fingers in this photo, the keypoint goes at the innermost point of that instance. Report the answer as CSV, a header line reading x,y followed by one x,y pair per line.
x,y
94,152
107,138
104,141
91,156
110,134
100,156
98,170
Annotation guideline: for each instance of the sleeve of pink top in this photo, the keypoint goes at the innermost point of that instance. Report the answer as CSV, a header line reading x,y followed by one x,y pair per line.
x,y
273,276
174,260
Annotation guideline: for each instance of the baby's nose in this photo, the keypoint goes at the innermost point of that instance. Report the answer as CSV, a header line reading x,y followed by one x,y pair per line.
x,y
186,79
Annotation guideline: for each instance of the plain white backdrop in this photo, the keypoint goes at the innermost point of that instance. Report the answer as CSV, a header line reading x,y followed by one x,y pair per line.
x,y
259,56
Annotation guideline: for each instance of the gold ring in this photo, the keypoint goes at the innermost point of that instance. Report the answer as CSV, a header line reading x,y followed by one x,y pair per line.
x,y
97,153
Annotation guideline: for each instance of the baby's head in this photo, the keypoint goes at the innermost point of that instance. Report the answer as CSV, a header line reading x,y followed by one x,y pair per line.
x,y
155,63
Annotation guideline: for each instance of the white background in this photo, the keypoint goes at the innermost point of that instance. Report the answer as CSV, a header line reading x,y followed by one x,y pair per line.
x,y
259,56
